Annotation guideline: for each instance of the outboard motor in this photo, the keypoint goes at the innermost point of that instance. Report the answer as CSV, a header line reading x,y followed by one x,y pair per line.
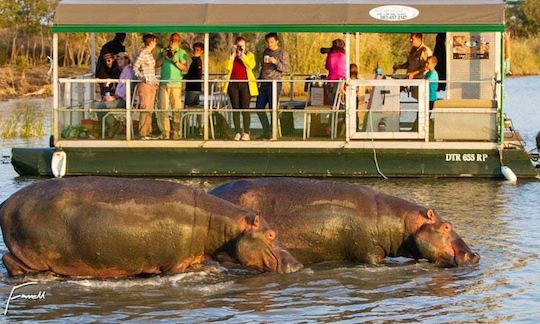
x,y
535,153
538,142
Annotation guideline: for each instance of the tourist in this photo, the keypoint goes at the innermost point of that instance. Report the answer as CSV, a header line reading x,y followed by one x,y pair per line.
x,y
195,72
145,71
239,67
173,63
118,100
336,66
416,60
114,47
275,63
108,70
433,77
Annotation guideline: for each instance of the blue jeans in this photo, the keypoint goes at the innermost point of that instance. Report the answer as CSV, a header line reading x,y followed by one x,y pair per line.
x,y
265,98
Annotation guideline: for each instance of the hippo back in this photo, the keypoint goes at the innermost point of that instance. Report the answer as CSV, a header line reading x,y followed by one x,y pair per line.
x,y
105,227
320,220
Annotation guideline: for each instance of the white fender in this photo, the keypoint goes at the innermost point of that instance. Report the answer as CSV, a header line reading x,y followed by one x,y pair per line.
x,y
509,174
58,164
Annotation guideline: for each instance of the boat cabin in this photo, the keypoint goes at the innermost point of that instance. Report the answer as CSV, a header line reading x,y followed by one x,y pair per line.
x,y
372,123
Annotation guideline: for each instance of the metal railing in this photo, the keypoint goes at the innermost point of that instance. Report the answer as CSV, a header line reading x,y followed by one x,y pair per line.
x,y
306,98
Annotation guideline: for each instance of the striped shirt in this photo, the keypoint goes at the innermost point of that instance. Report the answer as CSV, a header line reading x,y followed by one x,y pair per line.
x,y
145,67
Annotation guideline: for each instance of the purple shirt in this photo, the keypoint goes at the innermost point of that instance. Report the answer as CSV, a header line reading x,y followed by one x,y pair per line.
x,y
335,64
126,74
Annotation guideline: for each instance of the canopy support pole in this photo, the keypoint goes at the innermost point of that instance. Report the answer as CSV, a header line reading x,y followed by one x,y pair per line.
x,y
206,115
357,57
55,124
347,84
93,53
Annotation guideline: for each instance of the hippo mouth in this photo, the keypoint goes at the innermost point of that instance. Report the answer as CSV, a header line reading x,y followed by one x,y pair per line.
x,y
463,255
285,262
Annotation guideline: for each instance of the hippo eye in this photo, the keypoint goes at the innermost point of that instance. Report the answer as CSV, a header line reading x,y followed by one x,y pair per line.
x,y
270,235
447,227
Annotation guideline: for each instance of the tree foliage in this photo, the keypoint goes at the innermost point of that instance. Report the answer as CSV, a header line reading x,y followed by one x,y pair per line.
x,y
523,18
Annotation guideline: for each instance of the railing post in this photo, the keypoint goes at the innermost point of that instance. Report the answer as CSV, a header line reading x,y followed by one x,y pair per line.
x,y
129,123
348,86
291,95
426,110
55,130
274,110
206,114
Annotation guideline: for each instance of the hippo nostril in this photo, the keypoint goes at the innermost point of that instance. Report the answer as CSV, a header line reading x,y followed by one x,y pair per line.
x,y
472,258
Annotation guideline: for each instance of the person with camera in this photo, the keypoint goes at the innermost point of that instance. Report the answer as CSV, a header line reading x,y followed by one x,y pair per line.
x,y
239,68
173,63
275,63
336,64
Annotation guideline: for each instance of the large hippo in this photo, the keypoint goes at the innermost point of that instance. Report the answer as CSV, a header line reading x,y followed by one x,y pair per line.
x,y
103,227
325,220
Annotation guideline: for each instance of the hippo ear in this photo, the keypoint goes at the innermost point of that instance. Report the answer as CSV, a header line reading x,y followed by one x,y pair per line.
x,y
256,221
431,216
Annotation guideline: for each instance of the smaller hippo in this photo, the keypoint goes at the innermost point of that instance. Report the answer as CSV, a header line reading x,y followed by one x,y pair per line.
x,y
328,221
101,227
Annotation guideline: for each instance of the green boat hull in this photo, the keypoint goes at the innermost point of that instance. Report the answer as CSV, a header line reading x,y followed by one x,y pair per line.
x,y
188,162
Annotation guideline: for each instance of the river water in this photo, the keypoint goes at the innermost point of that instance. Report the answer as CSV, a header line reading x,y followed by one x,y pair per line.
x,y
499,220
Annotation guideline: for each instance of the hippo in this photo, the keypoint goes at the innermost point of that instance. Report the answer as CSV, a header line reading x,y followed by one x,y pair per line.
x,y
538,142
329,221
100,227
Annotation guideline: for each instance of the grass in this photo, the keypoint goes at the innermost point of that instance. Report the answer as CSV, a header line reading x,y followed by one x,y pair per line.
x,y
525,56
24,121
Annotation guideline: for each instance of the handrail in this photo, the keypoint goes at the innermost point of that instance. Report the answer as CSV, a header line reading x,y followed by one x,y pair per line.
x,y
277,108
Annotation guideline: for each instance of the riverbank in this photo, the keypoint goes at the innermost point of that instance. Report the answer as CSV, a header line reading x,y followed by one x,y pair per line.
x,y
35,81
525,56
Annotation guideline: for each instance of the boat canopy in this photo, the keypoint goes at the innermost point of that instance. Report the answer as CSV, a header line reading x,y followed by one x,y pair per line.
x,y
279,15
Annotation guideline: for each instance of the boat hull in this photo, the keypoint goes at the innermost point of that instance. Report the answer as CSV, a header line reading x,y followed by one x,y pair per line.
x,y
345,162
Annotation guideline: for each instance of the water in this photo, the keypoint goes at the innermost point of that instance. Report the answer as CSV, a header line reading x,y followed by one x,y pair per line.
x,y
499,220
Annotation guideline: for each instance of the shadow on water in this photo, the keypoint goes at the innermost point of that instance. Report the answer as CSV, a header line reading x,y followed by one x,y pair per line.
x,y
498,220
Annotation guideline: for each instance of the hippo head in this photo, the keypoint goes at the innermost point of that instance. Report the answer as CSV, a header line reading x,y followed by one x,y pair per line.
x,y
437,242
258,250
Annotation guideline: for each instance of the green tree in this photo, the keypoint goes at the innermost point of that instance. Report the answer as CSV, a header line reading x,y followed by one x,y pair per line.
x,y
523,17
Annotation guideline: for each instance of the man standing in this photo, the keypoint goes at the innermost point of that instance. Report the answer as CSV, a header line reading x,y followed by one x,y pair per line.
x,y
145,71
114,47
195,72
417,58
173,63
275,63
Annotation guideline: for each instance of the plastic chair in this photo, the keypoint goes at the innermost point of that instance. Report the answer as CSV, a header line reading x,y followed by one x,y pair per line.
x,y
336,107
121,116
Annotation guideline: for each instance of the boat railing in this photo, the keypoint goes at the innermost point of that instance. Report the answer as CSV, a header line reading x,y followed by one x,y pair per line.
x,y
385,109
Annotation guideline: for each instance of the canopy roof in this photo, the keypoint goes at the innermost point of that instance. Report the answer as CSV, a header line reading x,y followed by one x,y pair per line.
x,y
278,15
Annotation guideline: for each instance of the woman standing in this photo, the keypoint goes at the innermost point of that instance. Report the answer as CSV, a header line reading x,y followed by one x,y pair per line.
x,y
240,70
336,66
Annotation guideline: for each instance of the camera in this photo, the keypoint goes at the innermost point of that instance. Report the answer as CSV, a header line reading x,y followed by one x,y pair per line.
x,y
325,50
239,49
170,53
